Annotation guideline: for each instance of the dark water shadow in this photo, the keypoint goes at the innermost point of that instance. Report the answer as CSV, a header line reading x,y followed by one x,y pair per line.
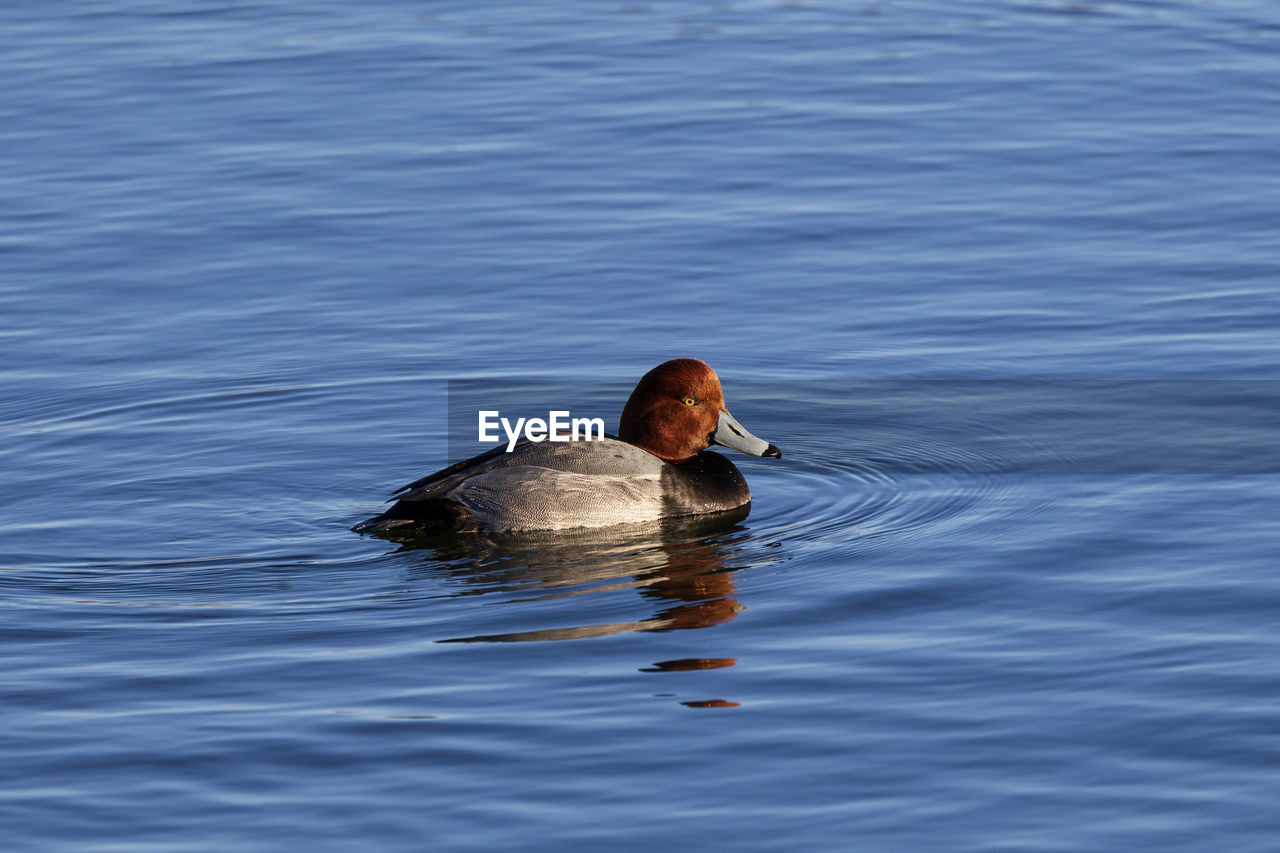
x,y
683,568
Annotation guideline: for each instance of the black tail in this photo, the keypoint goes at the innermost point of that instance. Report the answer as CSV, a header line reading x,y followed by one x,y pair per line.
x,y
434,515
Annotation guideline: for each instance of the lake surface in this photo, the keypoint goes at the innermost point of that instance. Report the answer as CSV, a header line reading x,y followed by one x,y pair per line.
x,y
1000,279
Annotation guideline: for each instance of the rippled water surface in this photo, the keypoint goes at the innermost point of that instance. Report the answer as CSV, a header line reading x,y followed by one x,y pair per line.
x,y
998,277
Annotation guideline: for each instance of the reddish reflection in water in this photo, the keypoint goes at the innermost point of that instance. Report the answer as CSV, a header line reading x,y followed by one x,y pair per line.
x,y
696,574
686,664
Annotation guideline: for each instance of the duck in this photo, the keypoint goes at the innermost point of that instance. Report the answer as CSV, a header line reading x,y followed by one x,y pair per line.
x,y
656,468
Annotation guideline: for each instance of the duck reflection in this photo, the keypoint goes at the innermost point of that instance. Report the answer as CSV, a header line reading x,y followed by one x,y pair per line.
x,y
683,568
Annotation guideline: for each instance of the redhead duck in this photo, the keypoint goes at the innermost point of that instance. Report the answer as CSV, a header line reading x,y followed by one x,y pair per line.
x,y
657,468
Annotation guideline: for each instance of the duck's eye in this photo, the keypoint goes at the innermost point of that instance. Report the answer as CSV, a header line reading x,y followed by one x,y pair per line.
x,y
689,401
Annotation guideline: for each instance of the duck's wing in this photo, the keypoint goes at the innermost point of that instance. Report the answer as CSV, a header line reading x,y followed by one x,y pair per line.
x,y
528,497
608,457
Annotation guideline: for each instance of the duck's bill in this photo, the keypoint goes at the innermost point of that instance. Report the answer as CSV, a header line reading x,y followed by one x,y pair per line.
x,y
730,433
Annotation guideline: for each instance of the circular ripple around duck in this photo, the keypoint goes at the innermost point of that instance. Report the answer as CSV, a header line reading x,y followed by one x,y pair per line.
x,y
881,494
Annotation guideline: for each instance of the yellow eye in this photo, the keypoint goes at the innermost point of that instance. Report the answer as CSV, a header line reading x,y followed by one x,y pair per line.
x,y
689,401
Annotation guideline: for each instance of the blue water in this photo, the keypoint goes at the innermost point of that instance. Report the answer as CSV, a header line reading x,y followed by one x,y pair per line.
x,y
244,248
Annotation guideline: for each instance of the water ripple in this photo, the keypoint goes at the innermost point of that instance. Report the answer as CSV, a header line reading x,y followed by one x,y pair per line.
x,y
876,497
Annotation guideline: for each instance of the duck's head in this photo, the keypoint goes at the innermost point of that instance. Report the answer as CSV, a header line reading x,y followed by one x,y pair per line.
x,y
677,409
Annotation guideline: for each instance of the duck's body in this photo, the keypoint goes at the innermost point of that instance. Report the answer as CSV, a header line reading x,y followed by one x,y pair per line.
x,y
558,486
659,471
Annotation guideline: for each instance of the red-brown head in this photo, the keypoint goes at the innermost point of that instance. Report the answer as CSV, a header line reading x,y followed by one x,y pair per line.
x,y
677,409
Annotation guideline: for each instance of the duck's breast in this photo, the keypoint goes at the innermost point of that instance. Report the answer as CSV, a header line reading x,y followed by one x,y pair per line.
x,y
707,483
